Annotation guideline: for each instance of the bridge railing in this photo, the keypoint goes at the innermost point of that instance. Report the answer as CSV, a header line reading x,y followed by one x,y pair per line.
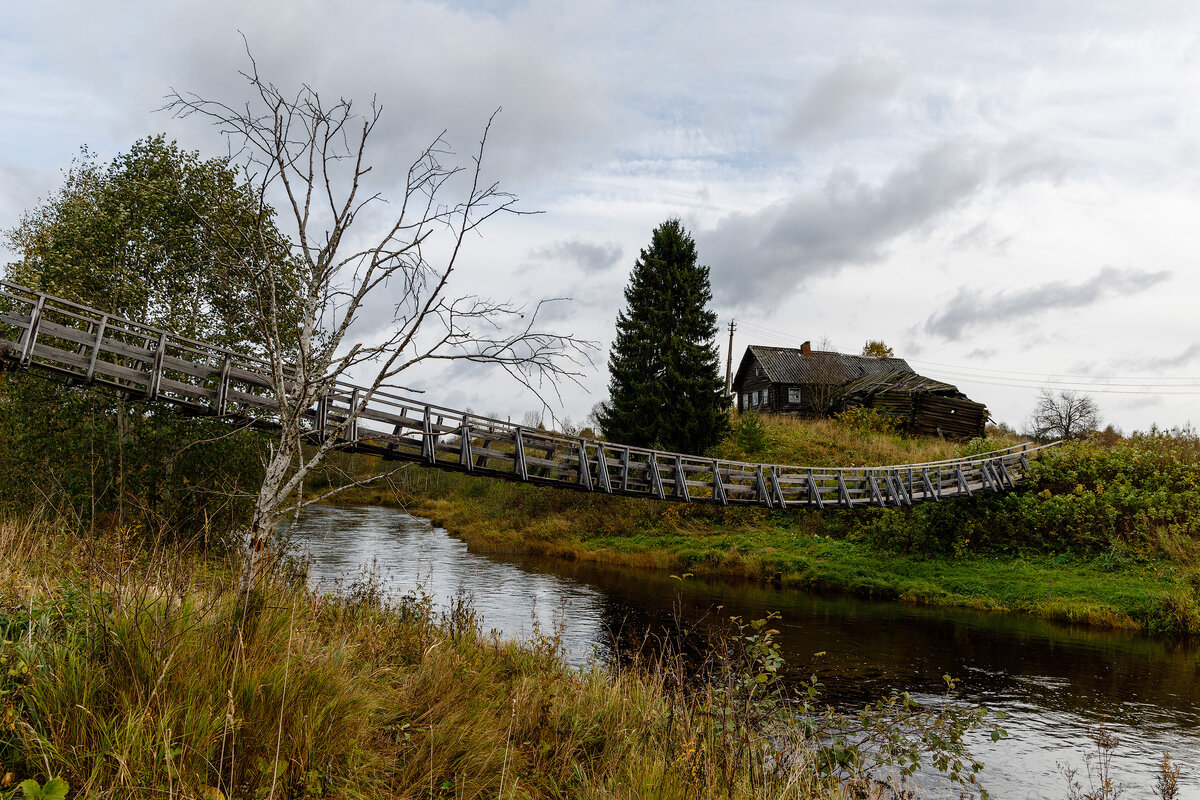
x,y
82,344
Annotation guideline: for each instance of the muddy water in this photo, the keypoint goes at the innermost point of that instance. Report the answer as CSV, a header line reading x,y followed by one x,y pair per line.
x,y
1055,683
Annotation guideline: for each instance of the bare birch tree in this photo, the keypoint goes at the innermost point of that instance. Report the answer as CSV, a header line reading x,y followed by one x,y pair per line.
x,y
1065,415
310,158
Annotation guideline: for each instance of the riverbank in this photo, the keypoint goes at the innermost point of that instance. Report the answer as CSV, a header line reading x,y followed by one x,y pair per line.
x,y
1102,534
131,670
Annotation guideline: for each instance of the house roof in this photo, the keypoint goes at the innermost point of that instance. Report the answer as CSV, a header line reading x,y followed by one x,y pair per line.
x,y
789,365
901,380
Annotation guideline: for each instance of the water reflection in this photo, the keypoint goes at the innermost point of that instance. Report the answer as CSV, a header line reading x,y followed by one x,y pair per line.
x,y
1054,682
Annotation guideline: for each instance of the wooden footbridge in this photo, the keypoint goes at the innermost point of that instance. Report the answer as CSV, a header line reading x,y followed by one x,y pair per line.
x,y
82,345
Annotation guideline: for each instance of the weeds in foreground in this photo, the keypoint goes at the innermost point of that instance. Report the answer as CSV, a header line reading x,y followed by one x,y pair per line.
x,y
136,673
762,730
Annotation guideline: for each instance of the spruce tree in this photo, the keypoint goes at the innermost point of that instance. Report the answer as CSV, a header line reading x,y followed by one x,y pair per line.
x,y
665,386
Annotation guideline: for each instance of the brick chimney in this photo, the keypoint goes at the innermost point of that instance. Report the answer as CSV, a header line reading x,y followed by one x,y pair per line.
x,y
806,349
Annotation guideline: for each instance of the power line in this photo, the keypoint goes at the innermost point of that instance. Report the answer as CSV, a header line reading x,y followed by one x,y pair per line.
x,y
1145,384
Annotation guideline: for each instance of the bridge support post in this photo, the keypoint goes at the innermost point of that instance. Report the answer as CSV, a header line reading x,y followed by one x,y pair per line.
x,y
519,465
962,481
29,337
91,368
777,487
843,492
602,469
718,485
814,493
350,434
154,381
930,494
428,451
585,469
656,477
681,489
760,483
876,494
464,447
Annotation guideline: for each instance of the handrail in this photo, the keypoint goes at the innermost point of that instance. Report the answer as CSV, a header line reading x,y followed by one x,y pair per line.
x,y
86,345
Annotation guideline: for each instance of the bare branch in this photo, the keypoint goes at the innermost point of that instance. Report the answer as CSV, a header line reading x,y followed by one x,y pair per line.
x,y
310,156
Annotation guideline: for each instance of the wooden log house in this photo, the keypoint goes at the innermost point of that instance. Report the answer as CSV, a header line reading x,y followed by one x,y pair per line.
x,y
807,382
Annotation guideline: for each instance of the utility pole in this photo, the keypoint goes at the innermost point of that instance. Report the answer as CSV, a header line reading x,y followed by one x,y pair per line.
x,y
729,360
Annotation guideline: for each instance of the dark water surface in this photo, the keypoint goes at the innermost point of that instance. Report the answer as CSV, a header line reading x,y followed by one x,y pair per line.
x,y
1054,682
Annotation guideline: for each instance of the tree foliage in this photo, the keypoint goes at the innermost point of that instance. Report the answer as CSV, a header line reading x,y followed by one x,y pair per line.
x,y
665,385
149,236
1065,415
876,348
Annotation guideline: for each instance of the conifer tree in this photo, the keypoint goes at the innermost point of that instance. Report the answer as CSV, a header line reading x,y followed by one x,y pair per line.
x,y
665,386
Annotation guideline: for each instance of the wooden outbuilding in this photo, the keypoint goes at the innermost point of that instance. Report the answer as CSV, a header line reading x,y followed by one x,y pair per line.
x,y
789,380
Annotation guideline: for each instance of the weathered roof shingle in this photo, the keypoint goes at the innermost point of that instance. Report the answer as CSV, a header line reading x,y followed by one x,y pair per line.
x,y
789,365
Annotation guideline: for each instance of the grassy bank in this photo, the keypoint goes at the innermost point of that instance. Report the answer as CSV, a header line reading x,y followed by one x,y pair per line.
x,y
1104,534
130,670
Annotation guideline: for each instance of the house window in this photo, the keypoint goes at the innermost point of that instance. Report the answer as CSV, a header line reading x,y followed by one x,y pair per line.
x,y
756,398
745,400
794,394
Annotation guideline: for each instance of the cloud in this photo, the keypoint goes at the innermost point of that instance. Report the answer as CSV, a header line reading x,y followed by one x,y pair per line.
x,y
840,96
590,257
761,256
971,307
1182,359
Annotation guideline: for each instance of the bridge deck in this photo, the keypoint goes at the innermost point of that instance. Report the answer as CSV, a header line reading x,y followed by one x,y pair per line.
x,y
81,344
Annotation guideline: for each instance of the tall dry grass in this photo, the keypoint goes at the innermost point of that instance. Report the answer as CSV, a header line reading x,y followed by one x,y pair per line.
x,y
137,673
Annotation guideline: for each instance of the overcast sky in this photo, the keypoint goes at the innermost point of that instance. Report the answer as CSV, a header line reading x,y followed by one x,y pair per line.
x,y
1008,194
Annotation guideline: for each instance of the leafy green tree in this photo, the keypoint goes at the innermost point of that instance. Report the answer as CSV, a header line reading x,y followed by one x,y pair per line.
x,y
152,236
665,385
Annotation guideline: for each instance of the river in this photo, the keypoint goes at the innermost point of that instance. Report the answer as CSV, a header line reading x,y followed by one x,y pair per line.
x,y
1055,683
